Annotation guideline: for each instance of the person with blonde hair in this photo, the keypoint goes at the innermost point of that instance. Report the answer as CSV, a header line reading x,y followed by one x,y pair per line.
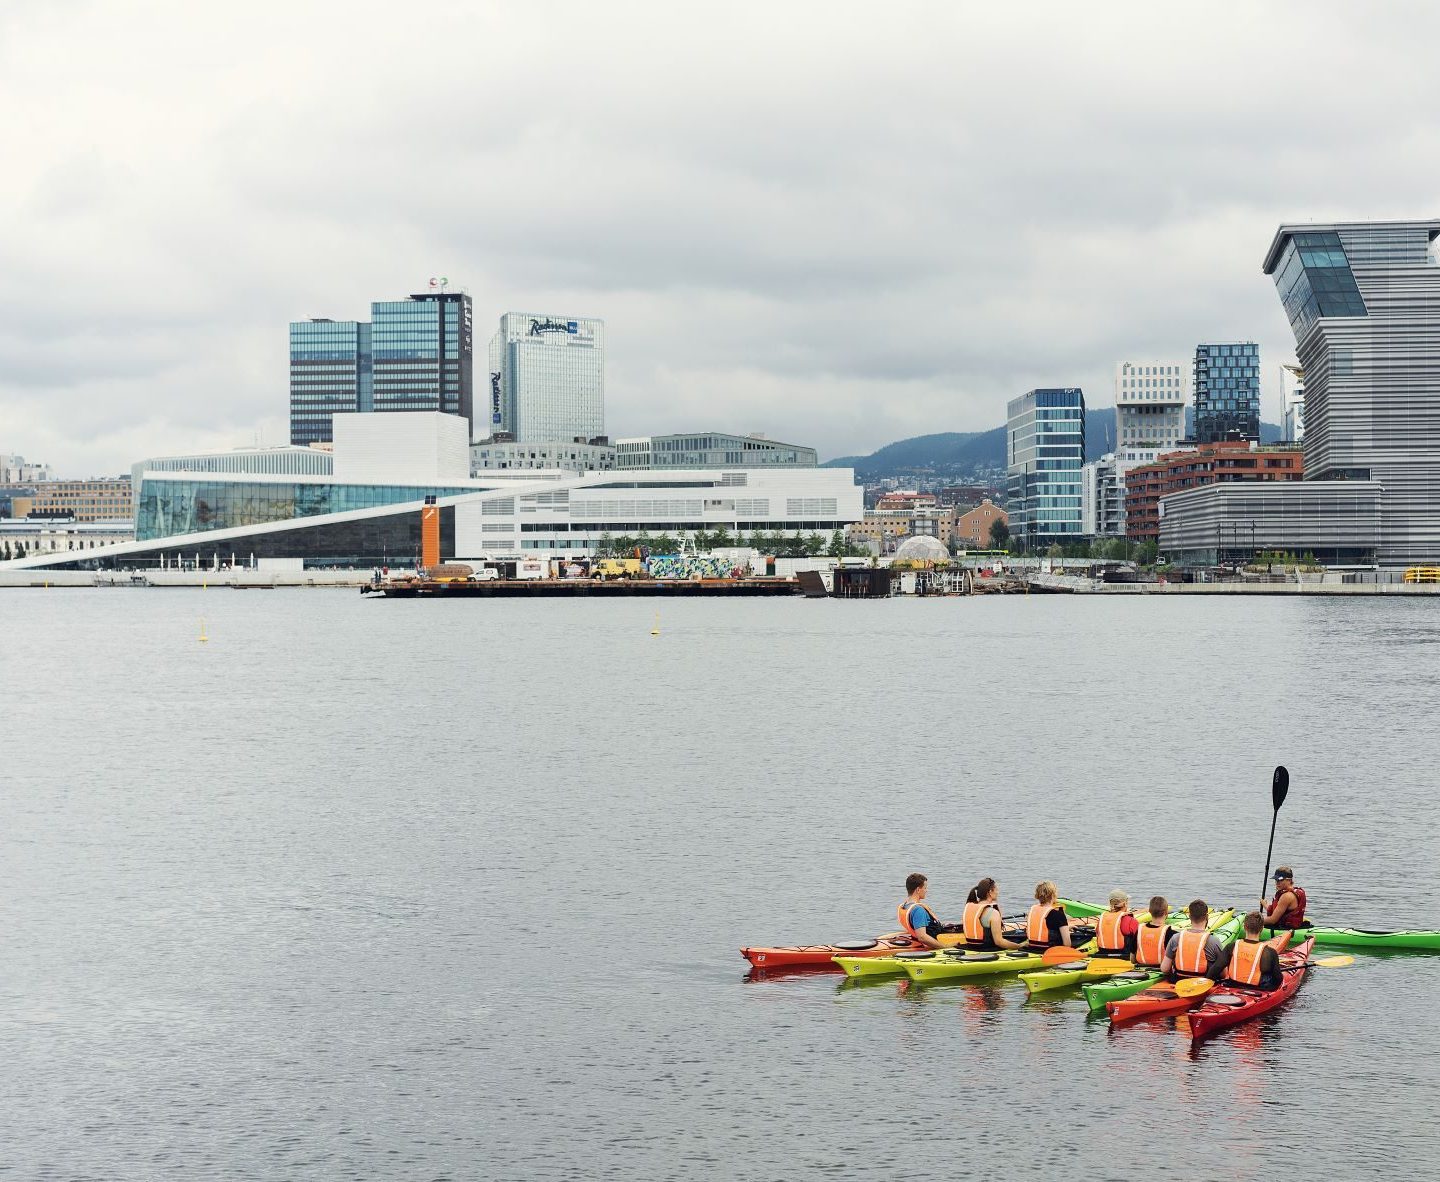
x,y
1046,924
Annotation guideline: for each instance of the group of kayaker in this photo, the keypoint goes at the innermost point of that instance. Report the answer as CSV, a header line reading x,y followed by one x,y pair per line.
x,y
1194,951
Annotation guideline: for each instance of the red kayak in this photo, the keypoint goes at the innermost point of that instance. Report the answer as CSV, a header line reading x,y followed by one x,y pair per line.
x,y
1161,997
821,956
1229,1005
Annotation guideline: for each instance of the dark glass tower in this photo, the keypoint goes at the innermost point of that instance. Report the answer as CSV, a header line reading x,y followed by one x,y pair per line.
x,y
1227,392
415,354
329,373
424,354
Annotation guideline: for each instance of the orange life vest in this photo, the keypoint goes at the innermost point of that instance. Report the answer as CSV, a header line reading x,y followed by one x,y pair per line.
x,y
903,911
1037,931
1245,963
1150,944
1190,958
1111,938
974,929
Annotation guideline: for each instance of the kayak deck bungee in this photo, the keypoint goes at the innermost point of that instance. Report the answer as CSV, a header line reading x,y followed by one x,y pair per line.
x,y
893,964
1161,997
822,956
964,963
1226,925
1405,940
1229,1005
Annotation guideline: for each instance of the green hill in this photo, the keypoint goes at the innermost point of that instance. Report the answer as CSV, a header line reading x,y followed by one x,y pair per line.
x,y
962,454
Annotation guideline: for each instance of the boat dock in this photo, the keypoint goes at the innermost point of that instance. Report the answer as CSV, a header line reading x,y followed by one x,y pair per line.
x,y
571,588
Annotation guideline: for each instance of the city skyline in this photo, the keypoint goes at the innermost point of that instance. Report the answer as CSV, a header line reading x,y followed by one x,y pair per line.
x,y
761,265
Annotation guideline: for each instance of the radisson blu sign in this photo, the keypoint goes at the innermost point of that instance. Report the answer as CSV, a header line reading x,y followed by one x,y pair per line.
x,y
540,327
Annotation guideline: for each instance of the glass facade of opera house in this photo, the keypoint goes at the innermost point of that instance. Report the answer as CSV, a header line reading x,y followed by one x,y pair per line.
x,y
164,508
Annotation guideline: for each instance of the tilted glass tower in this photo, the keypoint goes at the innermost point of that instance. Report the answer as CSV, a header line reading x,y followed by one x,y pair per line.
x,y
1044,453
1363,299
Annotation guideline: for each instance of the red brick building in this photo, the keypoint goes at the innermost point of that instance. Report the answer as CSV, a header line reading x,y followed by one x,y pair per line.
x,y
1214,463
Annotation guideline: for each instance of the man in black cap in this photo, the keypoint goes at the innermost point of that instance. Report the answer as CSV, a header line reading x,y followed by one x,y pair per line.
x,y
1288,909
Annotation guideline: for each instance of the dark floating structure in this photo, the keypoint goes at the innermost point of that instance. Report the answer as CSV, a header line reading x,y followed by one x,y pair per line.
x,y
570,588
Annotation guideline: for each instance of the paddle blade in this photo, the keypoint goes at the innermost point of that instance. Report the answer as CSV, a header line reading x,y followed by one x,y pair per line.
x,y
1193,986
1279,787
1060,955
1334,962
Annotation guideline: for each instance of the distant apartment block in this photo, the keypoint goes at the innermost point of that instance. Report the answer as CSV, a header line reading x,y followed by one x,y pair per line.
x,y
106,499
1292,393
1214,463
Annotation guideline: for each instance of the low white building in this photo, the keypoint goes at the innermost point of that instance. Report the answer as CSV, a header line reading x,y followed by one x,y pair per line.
x,y
503,455
367,511
35,536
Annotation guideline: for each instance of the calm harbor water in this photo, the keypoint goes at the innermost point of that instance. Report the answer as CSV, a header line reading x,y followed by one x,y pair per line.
x,y
389,889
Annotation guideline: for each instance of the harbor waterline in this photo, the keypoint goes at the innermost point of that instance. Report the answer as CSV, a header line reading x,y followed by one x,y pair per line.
x,y
397,889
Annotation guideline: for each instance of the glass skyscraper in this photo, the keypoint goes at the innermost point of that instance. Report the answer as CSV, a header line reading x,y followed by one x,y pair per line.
x,y
415,354
547,378
1227,392
1363,300
329,372
1045,452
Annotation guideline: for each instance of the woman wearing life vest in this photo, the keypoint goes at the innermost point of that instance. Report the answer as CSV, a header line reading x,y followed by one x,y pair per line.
x,y
1197,951
983,928
1115,930
1152,936
1288,909
1046,924
1251,962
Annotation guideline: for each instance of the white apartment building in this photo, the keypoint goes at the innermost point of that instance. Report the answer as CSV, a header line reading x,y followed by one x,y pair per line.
x,y
1150,401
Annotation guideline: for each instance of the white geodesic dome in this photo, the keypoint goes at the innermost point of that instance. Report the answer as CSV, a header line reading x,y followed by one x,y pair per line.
x,y
921,549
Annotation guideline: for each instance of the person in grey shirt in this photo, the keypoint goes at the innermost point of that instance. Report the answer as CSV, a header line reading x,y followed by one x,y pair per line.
x,y
1197,951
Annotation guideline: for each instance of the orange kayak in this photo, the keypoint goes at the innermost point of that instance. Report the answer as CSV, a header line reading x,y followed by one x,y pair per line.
x,y
821,956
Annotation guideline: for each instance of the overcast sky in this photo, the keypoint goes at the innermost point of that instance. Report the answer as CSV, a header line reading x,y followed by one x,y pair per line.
x,y
837,224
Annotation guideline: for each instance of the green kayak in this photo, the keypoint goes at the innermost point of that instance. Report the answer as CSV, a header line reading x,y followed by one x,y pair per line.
x,y
1124,985
1362,938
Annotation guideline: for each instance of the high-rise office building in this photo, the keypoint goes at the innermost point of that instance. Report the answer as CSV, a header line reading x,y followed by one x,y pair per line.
x,y
424,354
330,372
413,354
1150,400
1227,392
547,378
1363,300
1045,452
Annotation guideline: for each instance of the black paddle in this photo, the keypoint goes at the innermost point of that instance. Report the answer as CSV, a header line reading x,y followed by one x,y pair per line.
x,y
1279,789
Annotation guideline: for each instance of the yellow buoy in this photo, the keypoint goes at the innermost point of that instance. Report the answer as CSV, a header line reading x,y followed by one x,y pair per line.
x,y
655,631
203,638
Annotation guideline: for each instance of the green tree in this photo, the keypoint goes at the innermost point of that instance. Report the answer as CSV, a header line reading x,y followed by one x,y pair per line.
x,y
999,534
1146,553
605,547
1055,551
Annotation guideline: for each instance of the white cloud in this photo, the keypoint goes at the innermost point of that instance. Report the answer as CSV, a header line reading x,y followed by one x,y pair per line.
x,y
835,223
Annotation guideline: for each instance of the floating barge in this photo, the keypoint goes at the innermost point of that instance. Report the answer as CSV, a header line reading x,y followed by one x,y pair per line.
x,y
568,588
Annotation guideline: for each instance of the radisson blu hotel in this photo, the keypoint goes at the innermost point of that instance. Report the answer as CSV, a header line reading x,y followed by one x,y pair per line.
x,y
359,506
